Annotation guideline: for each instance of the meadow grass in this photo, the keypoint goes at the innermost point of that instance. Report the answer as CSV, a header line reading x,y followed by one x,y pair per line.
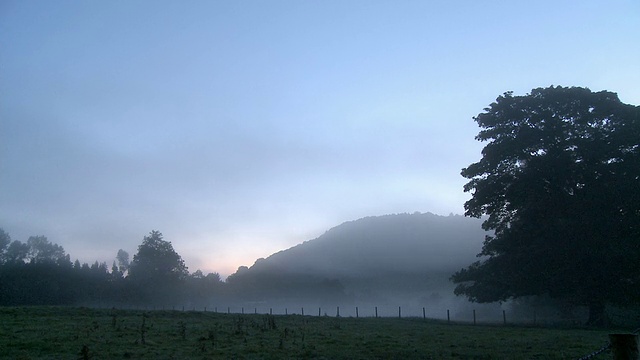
x,y
84,333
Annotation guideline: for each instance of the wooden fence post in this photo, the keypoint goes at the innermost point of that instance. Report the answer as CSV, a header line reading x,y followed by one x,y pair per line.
x,y
376,312
624,346
504,317
448,317
399,312
319,311
357,312
424,314
338,311
474,316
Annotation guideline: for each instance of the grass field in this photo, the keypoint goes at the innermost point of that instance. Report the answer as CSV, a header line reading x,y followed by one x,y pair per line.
x,y
82,333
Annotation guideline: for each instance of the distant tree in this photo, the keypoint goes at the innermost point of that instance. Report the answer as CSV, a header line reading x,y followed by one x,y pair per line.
x,y
157,267
214,278
200,289
16,253
559,181
99,267
36,273
115,272
5,240
123,260
41,251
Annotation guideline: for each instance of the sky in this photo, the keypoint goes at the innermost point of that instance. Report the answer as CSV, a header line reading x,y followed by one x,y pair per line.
x,y
242,128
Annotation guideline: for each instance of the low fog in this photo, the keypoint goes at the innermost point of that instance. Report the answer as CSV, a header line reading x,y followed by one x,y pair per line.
x,y
392,265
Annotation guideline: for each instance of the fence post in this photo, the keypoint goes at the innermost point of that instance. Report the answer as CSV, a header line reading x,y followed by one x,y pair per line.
x,y
270,311
474,316
286,311
504,317
448,317
319,311
399,312
624,346
356,312
376,312
302,311
338,311
242,310
424,314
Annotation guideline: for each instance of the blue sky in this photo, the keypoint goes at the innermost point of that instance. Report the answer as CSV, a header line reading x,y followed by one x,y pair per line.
x,y
241,128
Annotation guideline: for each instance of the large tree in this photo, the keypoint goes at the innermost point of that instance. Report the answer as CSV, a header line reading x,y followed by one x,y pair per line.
x,y
559,182
157,268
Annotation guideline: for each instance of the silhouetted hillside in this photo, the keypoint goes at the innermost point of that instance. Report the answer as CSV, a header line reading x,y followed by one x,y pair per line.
x,y
379,245
382,259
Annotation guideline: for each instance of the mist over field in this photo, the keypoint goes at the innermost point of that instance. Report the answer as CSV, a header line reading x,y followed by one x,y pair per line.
x,y
397,265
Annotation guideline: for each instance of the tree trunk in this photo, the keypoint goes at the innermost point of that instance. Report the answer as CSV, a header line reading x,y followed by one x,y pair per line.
x,y
597,314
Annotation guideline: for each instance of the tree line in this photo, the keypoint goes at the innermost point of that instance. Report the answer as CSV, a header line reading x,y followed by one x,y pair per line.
x,y
39,272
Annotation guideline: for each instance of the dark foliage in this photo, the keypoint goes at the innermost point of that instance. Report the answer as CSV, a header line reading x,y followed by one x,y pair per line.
x,y
559,181
40,273
157,270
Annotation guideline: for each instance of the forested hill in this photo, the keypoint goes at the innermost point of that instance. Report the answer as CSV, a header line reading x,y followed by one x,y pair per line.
x,y
382,245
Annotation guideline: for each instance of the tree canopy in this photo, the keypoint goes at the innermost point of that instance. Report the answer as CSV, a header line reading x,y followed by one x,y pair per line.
x,y
41,250
5,240
123,260
157,262
559,183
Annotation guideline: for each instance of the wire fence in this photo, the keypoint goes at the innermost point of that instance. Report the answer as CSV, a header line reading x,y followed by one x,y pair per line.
x,y
459,316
